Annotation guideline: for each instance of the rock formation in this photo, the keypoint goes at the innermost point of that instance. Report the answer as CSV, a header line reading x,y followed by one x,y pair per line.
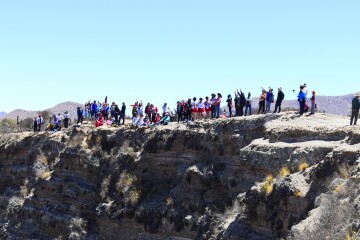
x,y
274,176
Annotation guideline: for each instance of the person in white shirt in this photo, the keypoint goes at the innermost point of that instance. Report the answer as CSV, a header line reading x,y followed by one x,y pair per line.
x,y
40,121
66,119
166,109
201,109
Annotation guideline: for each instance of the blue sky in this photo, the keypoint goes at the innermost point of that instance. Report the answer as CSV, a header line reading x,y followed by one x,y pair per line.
x,y
163,51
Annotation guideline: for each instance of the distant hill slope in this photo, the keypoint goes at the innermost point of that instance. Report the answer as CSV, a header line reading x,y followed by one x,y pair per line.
x,y
60,108
2,114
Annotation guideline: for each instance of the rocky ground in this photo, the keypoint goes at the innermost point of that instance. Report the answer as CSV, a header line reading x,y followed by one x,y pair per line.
x,y
275,176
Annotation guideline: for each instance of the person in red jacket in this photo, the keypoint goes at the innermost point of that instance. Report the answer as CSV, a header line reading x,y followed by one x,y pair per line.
x,y
100,121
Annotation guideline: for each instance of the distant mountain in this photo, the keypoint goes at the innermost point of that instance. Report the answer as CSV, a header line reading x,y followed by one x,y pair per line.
x,y
2,114
60,108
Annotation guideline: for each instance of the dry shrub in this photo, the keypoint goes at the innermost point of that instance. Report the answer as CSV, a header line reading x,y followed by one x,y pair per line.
x,y
269,178
267,188
298,194
303,166
284,172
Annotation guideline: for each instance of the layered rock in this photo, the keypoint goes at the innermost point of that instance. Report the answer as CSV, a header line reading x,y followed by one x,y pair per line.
x,y
204,180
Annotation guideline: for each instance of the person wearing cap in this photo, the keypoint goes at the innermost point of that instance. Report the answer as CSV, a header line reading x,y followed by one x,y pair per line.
x,y
279,99
262,100
213,106
355,105
66,119
229,104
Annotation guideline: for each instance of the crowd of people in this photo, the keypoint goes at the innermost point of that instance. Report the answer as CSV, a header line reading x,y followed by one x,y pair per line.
x,y
188,110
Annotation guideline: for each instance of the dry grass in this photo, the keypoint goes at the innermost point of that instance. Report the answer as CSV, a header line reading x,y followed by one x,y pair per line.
x,y
269,178
126,181
267,188
46,175
284,172
298,194
351,235
344,172
303,166
133,197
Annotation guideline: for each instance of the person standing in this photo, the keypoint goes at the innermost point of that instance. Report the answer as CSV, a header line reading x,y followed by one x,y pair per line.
x,y
229,103
262,99
180,111
213,105
122,113
40,121
312,99
355,105
279,99
207,108
269,99
302,99
35,124
217,105
79,115
200,109
248,104
66,119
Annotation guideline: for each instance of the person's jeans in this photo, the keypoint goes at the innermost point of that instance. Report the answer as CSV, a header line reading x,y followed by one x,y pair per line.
x,y
213,111
354,116
268,105
312,108
248,106
217,110
261,107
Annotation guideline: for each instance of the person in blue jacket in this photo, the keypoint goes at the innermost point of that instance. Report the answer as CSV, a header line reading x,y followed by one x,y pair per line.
x,y
302,99
269,99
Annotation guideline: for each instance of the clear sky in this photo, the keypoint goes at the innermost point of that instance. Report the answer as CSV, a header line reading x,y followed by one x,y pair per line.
x,y
163,51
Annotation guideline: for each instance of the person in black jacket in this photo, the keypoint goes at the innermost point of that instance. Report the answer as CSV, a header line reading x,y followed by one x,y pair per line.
x,y
180,111
79,115
122,113
279,99
355,105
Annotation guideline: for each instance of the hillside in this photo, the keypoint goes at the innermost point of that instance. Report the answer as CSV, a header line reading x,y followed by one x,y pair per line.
x,y
275,176
60,108
2,114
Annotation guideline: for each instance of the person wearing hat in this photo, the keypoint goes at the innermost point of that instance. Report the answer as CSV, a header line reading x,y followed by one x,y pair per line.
x,y
66,119
229,103
279,99
355,105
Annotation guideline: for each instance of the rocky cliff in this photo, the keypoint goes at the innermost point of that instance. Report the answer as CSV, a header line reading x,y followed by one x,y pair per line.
x,y
275,176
